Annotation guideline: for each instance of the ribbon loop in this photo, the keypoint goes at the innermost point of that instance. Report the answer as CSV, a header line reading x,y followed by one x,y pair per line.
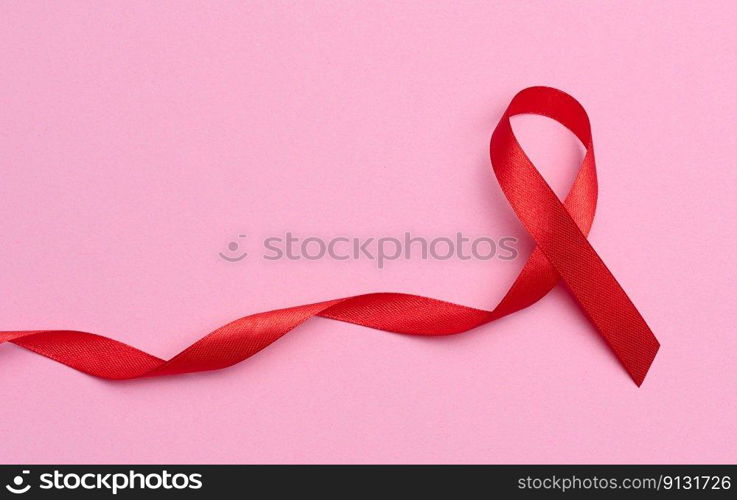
x,y
559,236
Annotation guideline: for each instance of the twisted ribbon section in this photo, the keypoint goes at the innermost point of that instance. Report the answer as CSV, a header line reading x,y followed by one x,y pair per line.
x,y
562,253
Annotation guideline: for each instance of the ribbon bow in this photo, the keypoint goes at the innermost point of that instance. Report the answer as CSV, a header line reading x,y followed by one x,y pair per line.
x,y
562,253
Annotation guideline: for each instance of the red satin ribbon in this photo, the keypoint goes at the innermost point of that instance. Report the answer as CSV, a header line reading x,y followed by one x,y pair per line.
x,y
562,252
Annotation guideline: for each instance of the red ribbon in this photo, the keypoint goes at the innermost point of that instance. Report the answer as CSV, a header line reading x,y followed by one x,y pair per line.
x,y
562,252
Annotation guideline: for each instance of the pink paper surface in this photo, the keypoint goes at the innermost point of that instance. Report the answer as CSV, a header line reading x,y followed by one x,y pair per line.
x,y
137,139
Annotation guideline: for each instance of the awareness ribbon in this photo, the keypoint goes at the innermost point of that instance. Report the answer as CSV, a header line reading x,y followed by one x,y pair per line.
x,y
562,253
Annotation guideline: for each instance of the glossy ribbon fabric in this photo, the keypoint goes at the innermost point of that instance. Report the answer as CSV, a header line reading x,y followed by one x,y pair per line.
x,y
562,253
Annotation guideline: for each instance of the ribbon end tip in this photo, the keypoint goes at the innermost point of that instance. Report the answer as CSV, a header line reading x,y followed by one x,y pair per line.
x,y
639,376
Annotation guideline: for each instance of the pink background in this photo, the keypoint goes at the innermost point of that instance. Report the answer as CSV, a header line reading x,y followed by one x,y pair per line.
x,y
138,138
